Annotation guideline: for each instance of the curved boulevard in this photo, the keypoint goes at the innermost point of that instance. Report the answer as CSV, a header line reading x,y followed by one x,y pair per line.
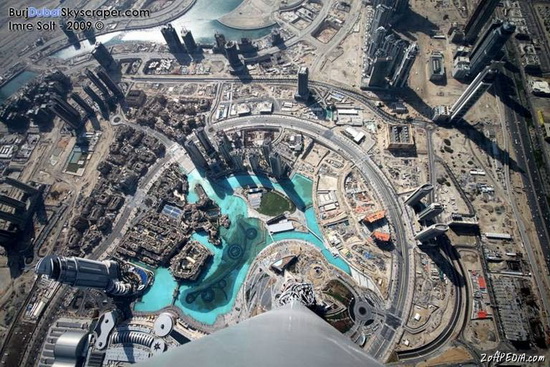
x,y
401,289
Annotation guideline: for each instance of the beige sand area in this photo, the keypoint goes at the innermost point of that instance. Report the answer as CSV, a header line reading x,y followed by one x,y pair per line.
x,y
253,14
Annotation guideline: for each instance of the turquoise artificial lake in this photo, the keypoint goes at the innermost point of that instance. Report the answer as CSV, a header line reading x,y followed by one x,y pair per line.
x,y
214,293
201,20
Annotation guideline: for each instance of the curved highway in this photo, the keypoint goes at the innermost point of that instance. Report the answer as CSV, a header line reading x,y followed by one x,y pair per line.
x,y
401,296
419,354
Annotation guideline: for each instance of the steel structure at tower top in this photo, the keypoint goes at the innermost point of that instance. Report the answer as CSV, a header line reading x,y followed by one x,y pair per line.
x,y
290,336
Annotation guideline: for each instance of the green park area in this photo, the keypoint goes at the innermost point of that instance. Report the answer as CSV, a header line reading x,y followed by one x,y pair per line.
x,y
273,204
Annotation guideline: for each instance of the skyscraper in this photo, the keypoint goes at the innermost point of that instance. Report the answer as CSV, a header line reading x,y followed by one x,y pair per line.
x,y
172,39
276,37
399,6
292,331
95,97
232,54
75,123
432,231
379,72
486,32
225,148
26,188
478,18
491,47
237,161
381,17
78,272
254,160
84,273
82,103
266,149
73,39
472,94
14,203
99,85
66,112
195,154
401,75
376,41
188,40
277,165
220,41
205,141
303,88
431,211
394,47
113,87
104,57
418,194
17,203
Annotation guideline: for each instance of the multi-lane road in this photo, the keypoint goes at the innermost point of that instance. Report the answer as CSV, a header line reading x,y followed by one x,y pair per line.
x,y
517,127
401,299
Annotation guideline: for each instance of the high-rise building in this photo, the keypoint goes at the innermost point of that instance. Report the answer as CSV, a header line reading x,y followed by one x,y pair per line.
x,y
478,18
75,123
401,75
491,48
78,272
70,110
95,97
113,87
379,73
266,149
195,154
85,273
441,113
400,6
292,331
431,211
418,194
254,160
82,103
89,33
381,18
394,48
237,161
376,41
17,203
472,94
302,88
14,203
99,85
277,165
388,3
172,39
431,232
66,112
232,54
26,188
104,57
276,37
246,46
220,41
225,148
461,67
188,40
205,141
73,38
486,32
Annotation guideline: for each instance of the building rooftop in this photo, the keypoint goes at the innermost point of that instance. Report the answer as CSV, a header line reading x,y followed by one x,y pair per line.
x,y
376,216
